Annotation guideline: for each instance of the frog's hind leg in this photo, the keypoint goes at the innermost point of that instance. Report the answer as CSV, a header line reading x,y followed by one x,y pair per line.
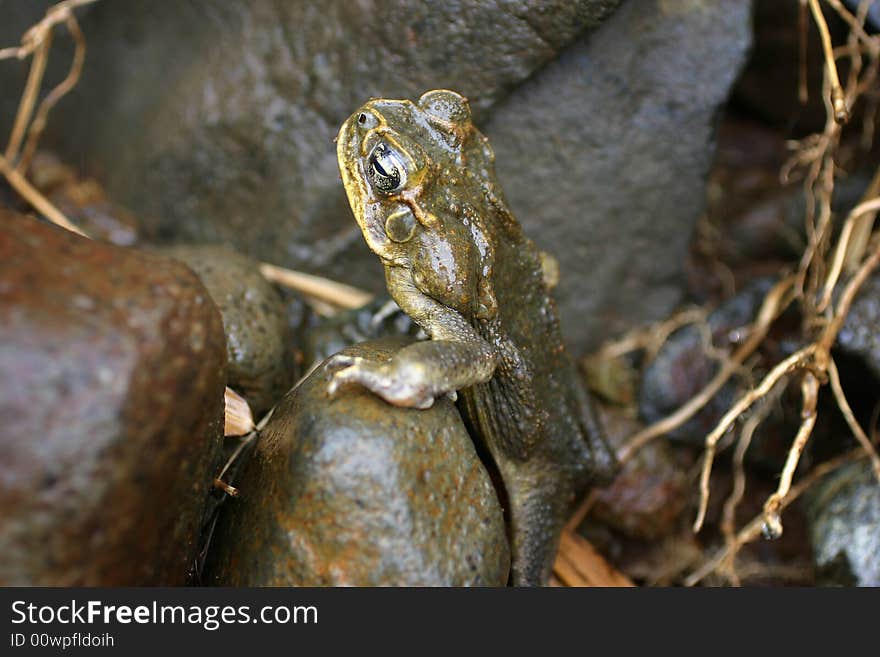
x,y
602,464
537,515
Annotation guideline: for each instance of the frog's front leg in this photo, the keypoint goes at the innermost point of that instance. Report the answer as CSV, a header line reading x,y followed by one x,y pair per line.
x,y
419,373
455,357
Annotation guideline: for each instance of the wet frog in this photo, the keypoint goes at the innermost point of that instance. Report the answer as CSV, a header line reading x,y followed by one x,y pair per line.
x,y
421,183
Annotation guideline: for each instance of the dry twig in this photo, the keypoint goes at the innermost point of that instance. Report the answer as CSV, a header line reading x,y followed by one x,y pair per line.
x,y
838,98
324,290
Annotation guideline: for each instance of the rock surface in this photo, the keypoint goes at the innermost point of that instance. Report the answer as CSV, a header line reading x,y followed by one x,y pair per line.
x,y
381,318
859,335
683,367
604,155
769,83
82,201
258,339
608,144
648,495
238,146
352,491
845,527
112,370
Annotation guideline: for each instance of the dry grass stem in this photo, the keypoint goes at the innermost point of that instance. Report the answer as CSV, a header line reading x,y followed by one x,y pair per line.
x,y
847,297
232,491
52,98
323,289
862,228
803,96
33,196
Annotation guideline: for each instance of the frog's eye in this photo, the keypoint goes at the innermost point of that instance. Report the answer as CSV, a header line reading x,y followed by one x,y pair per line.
x,y
387,171
400,225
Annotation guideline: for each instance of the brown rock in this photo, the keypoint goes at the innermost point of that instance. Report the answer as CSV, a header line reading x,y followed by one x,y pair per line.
x,y
647,497
111,394
352,491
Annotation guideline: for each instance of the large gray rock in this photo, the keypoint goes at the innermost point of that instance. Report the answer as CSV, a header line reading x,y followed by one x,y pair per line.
x,y
604,155
112,370
844,515
214,120
352,491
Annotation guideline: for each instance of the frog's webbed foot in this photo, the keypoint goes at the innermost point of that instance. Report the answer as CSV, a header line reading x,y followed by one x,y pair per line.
x,y
399,383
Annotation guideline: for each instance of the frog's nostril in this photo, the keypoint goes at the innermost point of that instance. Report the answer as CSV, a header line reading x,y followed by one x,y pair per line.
x,y
362,118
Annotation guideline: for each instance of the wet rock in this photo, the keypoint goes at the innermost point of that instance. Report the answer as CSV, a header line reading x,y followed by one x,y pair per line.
x,y
258,338
381,318
647,497
860,335
683,367
769,83
238,146
844,514
83,201
112,370
351,490
756,218
611,145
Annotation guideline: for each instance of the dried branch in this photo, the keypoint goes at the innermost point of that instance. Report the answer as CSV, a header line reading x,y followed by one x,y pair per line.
x,y
774,304
33,196
728,521
650,338
37,33
52,98
796,361
855,427
317,287
772,526
859,219
838,98
752,530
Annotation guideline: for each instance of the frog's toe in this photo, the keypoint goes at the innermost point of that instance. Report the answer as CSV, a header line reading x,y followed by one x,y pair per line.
x,y
418,401
347,374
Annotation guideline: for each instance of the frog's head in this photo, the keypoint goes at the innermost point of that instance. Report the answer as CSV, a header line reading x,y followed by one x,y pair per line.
x,y
414,172
392,154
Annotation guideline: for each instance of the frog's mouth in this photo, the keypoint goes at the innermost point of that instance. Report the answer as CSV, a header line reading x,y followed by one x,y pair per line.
x,y
351,167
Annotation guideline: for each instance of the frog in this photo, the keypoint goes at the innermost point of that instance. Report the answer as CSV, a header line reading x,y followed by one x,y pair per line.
x,y
420,180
